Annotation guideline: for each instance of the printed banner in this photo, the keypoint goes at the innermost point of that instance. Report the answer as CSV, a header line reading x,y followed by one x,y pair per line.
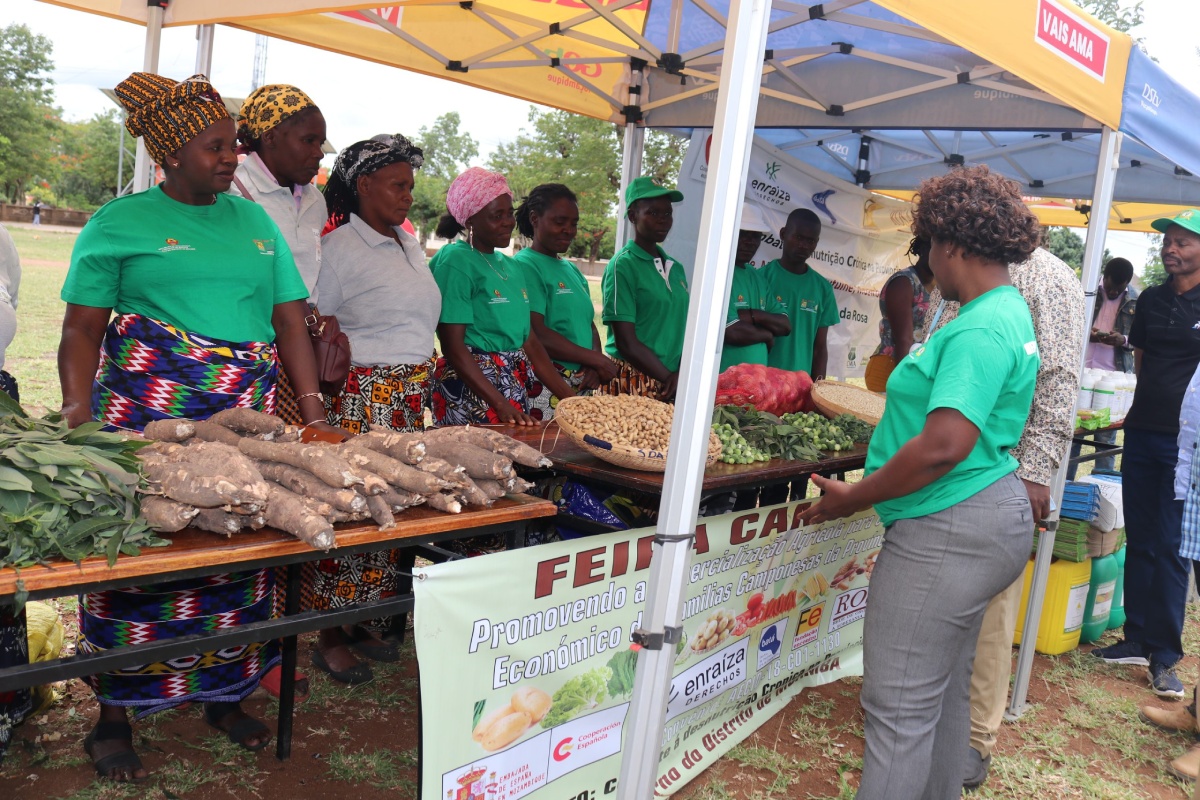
x,y
527,670
856,259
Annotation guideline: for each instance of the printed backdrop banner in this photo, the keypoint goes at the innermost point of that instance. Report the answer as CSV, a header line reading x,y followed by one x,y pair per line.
x,y
857,260
527,670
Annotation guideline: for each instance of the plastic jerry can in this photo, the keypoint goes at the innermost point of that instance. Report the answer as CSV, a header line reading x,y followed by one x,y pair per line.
x,y
1062,609
1098,607
1117,618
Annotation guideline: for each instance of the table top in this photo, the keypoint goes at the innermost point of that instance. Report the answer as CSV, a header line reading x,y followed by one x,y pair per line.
x,y
193,549
570,458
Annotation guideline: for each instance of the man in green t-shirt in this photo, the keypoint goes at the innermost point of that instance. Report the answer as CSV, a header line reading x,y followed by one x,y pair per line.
x,y
755,317
806,297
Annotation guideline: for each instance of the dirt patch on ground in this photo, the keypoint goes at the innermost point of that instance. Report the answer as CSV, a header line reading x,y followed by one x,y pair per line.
x,y
1081,739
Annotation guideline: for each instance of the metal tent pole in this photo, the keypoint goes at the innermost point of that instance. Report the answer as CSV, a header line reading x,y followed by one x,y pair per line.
x,y
121,157
204,49
1093,252
142,165
631,151
733,133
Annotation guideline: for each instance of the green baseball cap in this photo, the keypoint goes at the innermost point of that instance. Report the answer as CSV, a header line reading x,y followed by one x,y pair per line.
x,y
1189,219
646,188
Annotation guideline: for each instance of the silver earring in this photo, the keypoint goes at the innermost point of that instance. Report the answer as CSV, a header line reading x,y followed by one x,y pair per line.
x,y
470,235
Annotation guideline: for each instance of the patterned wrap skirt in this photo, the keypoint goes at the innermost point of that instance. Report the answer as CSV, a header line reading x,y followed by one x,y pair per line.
x,y
150,370
631,380
394,398
542,405
389,397
455,404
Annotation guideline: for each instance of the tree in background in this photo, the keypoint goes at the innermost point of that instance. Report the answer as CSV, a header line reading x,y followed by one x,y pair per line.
x,y
1154,274
1067,245
448,152
28,120
88,157
585,154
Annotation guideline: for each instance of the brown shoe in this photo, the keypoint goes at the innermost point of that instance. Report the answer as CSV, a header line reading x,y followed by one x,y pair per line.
x,y
1187,765
1178,718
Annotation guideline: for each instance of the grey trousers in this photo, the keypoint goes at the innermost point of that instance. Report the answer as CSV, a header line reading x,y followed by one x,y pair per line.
x,y
930,587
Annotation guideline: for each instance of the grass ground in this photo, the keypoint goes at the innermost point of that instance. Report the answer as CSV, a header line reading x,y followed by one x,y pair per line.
x,y
32,355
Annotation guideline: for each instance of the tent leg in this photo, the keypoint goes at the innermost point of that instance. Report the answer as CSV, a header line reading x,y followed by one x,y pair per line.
x,y
204,49
631,167
737,105
142,165
631,155
1093,252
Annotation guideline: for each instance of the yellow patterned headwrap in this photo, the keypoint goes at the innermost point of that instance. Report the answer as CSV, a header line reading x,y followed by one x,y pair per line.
x,y
168,114
268,106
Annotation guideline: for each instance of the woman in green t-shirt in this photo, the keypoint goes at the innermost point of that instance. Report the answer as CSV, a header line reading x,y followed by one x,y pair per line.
x,y
645,294
560,301
940,475
209,305
491,357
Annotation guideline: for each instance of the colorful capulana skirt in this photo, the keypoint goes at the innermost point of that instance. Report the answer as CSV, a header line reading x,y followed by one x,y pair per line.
x,y
455,404
15,706
391,397
165,611
632,380
8,385
542,404
150,370
357,579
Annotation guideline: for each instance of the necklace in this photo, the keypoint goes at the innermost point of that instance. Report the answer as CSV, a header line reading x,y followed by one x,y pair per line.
x,y
502,276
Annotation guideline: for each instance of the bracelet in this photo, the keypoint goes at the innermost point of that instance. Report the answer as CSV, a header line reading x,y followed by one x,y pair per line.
x,y
314,421
307,394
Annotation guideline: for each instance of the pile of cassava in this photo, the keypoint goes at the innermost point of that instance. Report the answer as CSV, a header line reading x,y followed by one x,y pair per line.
x,y
244,469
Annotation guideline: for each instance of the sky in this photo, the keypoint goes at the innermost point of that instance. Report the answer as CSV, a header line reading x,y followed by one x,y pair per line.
x,y
361,99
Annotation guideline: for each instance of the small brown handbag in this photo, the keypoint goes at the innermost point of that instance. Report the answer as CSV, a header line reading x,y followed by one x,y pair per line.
x,y
331,348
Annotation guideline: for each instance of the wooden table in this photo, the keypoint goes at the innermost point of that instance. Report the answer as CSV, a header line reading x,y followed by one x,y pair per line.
x,y
573,460
195,553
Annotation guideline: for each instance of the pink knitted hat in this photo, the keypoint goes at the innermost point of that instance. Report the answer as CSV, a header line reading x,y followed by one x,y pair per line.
x,y
473,190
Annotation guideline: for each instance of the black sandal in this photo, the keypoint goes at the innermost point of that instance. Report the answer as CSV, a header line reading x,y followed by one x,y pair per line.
x,y
355,676
124,760
241,731
368,646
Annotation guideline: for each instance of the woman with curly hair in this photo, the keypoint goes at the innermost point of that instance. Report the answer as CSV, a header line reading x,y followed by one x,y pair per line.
x,y
959,526
560,302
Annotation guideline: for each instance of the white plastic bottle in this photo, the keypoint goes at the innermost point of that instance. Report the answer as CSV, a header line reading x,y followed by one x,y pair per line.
x,y
1104,395
1087,382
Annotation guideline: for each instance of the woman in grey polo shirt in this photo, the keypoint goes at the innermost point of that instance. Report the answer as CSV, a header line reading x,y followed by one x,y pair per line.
x,y
375,280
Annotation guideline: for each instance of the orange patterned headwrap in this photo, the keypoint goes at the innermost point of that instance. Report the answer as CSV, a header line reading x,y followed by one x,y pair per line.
x,y
168,114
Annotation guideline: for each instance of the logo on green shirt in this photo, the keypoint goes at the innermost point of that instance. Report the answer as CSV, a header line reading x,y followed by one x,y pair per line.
x,y
173,245
265,246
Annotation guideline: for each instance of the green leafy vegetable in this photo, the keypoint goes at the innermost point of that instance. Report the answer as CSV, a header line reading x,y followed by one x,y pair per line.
x,y
623,666
66,493
581,693
479,706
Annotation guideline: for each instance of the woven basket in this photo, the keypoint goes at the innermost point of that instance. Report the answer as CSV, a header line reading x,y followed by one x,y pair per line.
x,y
870,405
620,454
